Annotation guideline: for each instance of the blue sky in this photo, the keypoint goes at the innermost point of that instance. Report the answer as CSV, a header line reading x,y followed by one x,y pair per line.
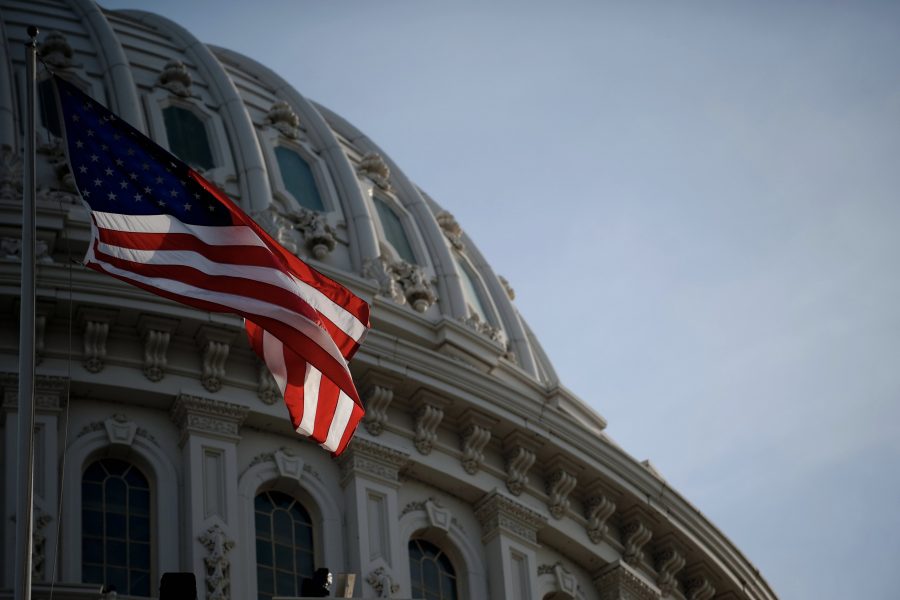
x,y
697,204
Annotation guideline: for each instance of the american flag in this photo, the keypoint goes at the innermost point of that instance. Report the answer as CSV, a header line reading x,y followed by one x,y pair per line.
x,y
157,224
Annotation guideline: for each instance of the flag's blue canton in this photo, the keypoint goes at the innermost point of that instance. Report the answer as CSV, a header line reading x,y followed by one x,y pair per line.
x,y
119,170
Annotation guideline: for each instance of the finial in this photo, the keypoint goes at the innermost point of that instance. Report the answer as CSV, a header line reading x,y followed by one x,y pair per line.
x,y
32,31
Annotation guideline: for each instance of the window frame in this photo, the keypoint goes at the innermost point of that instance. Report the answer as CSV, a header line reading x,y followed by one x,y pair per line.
x,y
158,99
462,262
269,139
457,579
312,529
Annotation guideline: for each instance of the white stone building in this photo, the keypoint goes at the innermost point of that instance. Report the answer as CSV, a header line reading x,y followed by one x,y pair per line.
x,y
162,444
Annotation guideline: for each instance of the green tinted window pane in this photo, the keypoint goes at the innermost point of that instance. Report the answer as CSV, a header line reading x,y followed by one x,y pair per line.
x,y
470,289
187,136
393,230
298,179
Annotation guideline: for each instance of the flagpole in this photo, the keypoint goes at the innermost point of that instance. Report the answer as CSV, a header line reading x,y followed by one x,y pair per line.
x,y
25,475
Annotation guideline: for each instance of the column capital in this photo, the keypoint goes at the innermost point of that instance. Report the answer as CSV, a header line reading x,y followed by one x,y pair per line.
x,y
499,514
49,392
205,416
619,581
366,458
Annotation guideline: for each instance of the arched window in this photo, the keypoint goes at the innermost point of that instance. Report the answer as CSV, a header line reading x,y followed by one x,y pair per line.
x,y
470,289
115,527
431,572
298,178
284,545
187,136
393,230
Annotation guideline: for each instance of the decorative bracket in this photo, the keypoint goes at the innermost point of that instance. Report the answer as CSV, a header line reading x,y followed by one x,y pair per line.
x,y
175,78
560,483
215,345
96,323
428,418
598,509
697,584
520,452
635,535
377,400
476,429
669,561
267,389
156,333
373,167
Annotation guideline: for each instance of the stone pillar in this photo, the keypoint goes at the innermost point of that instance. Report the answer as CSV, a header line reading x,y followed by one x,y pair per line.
x,y
210,431
620,581
509,533
49,398
370,477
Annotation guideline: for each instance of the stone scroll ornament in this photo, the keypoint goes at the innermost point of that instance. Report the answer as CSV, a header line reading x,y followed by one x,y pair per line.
x,y
139,194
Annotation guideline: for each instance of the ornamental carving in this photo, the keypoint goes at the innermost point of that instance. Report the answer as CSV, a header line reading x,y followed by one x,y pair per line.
x,y
367,458
475,323
299,228
452,231
95,333
215,345
668,563
401,281
476,433
377,401
428,418
175,78
499,514
373,167
510,292
517,464
120,430
194,414
283,118
11,249
218,567
381,581
55,51
56,156
39,544
598,510
559,486
10,175
635,534
699,588
620,582
566,583
267,389
156,334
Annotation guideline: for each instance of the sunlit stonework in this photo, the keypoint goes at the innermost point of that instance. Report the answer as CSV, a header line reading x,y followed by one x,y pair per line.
x,y
472,456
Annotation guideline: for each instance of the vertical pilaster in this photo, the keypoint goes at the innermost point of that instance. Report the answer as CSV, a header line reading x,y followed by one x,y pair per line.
x,y
210,432
370,476
49,398
509,532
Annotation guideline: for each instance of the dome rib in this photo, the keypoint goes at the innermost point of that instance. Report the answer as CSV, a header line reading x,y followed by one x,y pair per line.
x,y
116,70
364,244
256,193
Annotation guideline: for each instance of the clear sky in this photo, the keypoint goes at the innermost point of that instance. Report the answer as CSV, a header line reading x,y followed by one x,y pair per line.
x,y
698,205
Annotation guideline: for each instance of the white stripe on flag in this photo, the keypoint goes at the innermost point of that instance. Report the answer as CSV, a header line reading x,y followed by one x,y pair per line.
x,y
234,235
311,383
273,352
342,413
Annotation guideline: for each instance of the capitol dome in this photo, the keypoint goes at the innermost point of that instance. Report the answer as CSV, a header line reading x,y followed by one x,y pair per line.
x,y
163,444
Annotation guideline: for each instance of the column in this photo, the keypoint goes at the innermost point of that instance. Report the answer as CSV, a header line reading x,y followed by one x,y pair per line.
x,y
509,533
370,477
210,432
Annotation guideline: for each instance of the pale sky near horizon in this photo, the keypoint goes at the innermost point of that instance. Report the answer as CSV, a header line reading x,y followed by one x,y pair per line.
x,y
697,204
